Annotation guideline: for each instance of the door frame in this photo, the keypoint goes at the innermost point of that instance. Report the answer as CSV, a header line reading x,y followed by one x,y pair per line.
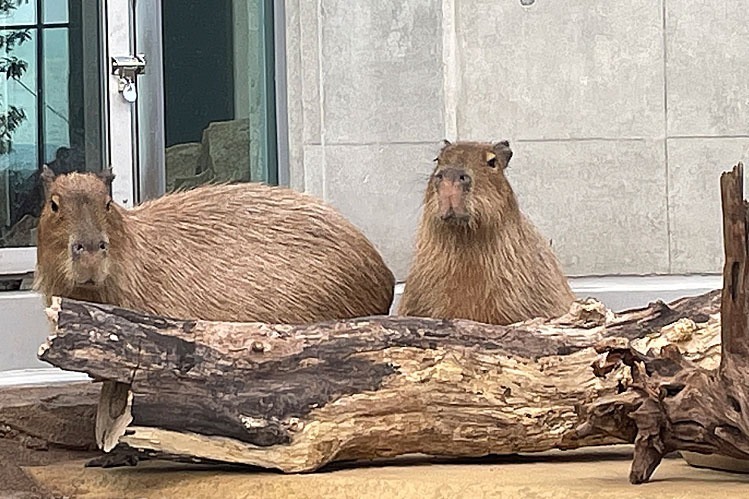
x,y
121,144
149,125
281,101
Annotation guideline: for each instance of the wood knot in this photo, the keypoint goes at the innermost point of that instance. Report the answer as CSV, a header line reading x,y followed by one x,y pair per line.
x,y
294,424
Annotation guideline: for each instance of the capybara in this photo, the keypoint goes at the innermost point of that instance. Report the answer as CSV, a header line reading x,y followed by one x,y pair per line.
x,y
233,252
477,255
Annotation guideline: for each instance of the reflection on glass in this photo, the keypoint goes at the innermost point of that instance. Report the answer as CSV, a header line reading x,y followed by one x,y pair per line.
x,y
68,111
18,12
57,126
55,11
220,122
18,133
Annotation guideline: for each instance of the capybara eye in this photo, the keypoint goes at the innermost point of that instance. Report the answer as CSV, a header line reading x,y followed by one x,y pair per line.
x,y
492,162
102,246
54,206
438,176
462,178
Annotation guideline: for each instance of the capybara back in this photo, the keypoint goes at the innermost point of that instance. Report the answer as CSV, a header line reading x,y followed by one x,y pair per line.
x,y
239,252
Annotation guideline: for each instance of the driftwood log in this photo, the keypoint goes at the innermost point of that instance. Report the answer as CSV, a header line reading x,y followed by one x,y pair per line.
x,y
296,398
672,404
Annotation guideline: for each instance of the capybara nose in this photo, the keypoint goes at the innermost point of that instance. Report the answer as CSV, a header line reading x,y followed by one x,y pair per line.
x,y
455,175
448,214
451,214
77,248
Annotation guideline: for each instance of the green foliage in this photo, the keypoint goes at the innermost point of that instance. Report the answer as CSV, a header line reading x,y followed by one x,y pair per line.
x,y
8,5
15,38
13,68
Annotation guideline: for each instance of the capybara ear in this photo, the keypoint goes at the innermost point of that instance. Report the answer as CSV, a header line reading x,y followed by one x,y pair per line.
x,y
106,176
445,144
47,177
503,152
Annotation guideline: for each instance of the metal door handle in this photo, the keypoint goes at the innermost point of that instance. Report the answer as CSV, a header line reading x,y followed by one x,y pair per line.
x,y
126,68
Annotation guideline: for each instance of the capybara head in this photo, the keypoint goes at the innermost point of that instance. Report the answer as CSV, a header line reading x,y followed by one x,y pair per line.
x,y
74,228
468,185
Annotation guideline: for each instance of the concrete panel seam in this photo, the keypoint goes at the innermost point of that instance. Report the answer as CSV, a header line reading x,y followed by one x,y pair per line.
x,y
383,143
665,133
320,19
691,137
450,68
585,139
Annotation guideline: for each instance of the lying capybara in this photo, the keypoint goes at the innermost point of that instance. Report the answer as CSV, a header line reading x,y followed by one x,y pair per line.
x,y
477,256
233,252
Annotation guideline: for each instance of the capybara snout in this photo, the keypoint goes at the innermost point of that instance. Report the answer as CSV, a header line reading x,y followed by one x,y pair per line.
x,y
88,261
452,185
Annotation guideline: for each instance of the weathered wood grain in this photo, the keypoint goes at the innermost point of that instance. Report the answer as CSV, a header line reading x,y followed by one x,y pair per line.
x,y
298,397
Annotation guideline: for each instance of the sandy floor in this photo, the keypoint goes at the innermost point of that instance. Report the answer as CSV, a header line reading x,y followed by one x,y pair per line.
x,y
598,473
14,456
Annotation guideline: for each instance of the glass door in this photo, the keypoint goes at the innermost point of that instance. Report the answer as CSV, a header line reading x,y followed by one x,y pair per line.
x,y
219,93
60,105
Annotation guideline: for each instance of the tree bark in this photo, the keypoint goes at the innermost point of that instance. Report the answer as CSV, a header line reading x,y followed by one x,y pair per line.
x,y
296,398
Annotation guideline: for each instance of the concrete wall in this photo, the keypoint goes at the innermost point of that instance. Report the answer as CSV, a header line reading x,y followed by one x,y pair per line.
x,y
621,116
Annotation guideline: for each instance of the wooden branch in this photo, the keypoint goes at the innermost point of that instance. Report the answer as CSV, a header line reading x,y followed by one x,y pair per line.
x,y
673,404
734,302
298,397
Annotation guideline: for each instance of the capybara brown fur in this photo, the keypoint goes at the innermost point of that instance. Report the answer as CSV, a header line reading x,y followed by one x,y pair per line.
x,y
477,256
234,252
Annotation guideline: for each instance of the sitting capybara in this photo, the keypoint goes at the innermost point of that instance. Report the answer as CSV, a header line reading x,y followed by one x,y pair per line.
x,y
477,256
233,252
